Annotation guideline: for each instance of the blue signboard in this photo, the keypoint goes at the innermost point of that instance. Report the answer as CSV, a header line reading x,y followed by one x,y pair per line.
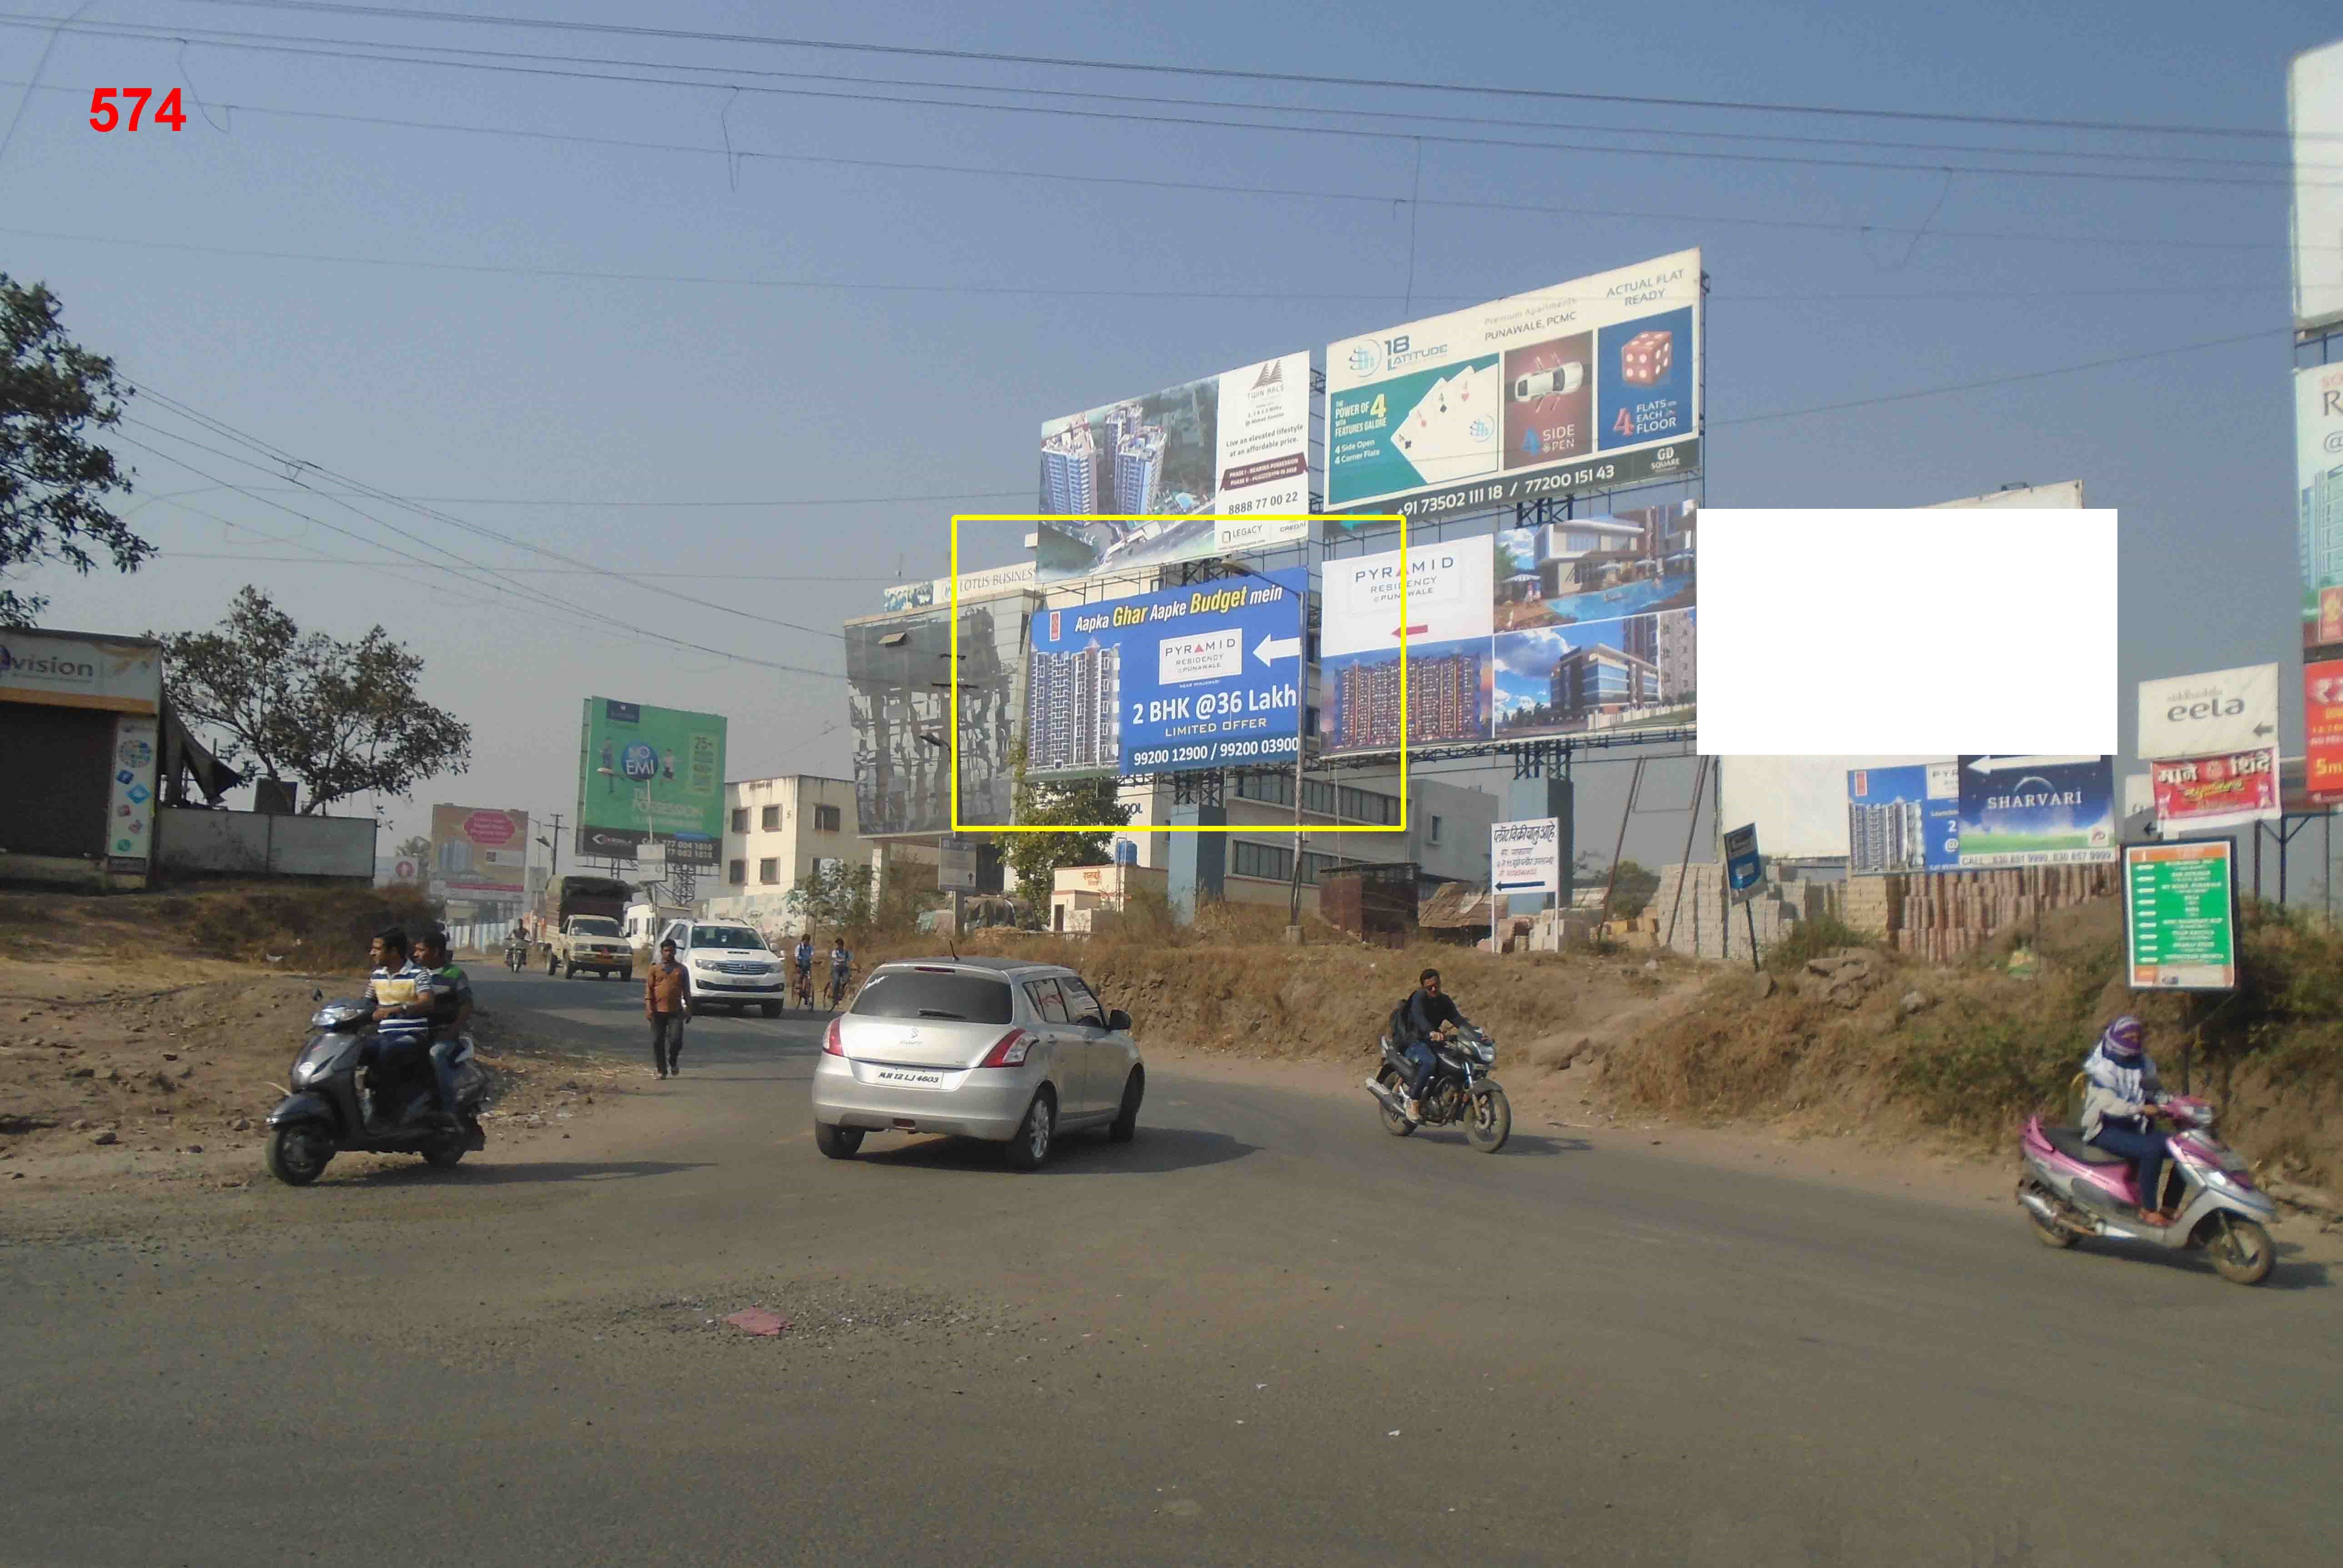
x,y
1208,676
2036,811
1903,818
1743,868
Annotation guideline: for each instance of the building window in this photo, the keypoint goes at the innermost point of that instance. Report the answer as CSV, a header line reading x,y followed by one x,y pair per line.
x,y
768,871
736,873
739,818
1431,834
825,819
1266,862
772,823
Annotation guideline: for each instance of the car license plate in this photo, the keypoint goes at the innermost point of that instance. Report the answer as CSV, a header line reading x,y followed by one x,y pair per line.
x,y
908,1077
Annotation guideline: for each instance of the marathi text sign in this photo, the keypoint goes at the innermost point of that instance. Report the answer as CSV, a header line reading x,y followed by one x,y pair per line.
x,y
2198,715
2180,915
2322,725
1526,857
2227,789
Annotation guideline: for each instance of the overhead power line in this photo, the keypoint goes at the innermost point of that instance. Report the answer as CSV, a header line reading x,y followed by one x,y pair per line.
x,y
1191,121
424,53
1843,111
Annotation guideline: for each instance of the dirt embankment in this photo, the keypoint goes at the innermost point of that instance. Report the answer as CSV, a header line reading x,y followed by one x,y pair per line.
x,y
1867,1042
134,1040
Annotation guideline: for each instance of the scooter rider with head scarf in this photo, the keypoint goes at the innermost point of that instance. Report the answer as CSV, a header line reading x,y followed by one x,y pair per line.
x,y
2119,1100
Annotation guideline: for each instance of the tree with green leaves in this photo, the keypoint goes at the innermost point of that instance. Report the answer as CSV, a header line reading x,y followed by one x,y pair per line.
x,y
53,479
340,718
835,895
1036,857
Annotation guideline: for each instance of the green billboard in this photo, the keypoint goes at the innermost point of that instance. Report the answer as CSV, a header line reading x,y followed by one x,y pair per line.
x,y
650,775
2180,915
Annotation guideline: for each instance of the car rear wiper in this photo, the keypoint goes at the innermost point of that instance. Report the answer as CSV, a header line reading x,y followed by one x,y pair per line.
x,y
938,1012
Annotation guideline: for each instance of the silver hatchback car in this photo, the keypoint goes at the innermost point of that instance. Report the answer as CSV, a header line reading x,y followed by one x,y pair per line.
x,y
999,1048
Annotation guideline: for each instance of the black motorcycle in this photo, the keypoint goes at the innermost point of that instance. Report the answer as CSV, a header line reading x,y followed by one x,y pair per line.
x,y
1460,1092
338,1103
516,955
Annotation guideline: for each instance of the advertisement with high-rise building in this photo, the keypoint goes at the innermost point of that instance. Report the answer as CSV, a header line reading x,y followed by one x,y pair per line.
x,y
1590,386
1201,463
1446,621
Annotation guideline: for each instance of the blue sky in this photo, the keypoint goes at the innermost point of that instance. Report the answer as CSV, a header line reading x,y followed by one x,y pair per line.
x,y
984,302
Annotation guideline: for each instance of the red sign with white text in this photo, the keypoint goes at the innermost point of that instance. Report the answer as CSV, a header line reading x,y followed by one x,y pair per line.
x,y
2223,791
2322,723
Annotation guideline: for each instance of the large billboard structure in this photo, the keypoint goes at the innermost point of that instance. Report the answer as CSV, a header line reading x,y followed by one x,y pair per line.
x,y
651,776
1173,474
1592,385
2030,810
2318,500
899,700
1208,676
479,853
2314,103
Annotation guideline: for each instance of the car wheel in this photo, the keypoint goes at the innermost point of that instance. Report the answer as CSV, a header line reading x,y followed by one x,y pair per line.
x,y
569,971
626,975
772,1010
551,964
1030,1149
1125,1124
838,1142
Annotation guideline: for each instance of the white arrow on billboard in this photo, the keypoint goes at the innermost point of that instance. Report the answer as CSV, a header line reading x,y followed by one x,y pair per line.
x,y
1278,648
2219,711
2012,764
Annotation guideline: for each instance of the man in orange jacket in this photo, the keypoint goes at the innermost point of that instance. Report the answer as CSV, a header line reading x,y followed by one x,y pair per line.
x,y
663,1005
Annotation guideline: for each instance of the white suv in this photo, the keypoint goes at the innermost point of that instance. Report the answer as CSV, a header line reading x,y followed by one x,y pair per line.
x,y
725,963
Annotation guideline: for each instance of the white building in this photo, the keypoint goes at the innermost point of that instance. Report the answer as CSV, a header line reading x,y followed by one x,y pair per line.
x,y
778,831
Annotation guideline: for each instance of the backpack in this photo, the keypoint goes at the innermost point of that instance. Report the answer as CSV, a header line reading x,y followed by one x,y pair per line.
x,y
1401,1032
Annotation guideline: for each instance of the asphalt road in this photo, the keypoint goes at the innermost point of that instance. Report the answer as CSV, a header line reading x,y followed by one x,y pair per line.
x,y
1264,1332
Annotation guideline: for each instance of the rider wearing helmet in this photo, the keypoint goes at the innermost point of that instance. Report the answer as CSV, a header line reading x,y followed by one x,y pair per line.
x,y
1431,1015
2119,1098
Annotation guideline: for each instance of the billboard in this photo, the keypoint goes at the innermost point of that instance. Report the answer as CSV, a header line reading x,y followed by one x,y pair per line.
x,y
479,853
1196,458
2198,715
2036,811
2314,109
898,702
2227,789
2180,915
2065,493
1900,819
1591,384
988,584
1525,857
2318,500
650,775
2322,729
1450,679
1208,676
1594,624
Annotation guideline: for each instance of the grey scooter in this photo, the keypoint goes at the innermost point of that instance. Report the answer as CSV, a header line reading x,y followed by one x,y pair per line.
x,y
337,1104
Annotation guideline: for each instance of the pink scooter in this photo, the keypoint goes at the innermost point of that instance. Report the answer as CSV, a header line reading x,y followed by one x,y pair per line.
x,y
2071,1188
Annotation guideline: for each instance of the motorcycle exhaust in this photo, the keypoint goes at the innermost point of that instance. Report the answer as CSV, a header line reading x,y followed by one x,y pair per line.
x,y
1390,1102
2047,1209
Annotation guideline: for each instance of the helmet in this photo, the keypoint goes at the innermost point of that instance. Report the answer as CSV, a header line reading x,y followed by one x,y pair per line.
x,y
2122,1038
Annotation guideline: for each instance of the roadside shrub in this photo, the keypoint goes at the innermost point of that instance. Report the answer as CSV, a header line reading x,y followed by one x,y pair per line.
x,y
1811,938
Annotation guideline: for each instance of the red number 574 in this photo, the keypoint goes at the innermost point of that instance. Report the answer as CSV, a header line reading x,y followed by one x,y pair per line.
x,y
105,116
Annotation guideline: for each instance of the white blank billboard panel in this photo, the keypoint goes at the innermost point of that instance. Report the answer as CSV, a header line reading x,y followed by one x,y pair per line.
x,y
1923,631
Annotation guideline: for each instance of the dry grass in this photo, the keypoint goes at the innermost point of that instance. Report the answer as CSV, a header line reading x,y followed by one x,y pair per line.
x,y
308,927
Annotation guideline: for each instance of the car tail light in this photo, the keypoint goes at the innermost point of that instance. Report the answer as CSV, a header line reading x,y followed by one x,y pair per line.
x,y
831,1043
1008,1051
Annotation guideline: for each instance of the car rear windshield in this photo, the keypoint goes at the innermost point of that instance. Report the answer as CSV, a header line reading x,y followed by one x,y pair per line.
x,y
725,937
934,993
593,925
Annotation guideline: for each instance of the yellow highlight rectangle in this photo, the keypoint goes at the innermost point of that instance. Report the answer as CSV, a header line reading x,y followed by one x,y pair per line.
x,y
958,827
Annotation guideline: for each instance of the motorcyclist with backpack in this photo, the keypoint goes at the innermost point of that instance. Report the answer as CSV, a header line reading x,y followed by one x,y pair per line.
x,y
1428,1014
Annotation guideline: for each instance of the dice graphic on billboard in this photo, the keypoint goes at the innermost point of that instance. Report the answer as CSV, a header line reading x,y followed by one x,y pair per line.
x,y
1645,358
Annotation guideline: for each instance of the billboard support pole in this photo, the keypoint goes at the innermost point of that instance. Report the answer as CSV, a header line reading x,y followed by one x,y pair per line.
x,y
1699,780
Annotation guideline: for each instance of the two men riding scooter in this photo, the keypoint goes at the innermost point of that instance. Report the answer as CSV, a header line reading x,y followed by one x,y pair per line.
x,y
423,1003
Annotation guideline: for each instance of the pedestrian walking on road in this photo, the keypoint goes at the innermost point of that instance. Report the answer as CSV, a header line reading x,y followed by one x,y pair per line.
x,y
663,1005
